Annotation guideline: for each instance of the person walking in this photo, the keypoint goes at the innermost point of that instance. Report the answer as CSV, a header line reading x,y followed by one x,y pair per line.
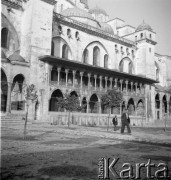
x,y
125,121
115,122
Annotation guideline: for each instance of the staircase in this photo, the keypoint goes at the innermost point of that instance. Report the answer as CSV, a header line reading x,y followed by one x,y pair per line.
x,y
12,120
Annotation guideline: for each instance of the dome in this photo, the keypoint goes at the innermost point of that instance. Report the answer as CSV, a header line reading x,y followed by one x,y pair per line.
x,y
16,57
3,56
144,26
76,12
107,28
98,10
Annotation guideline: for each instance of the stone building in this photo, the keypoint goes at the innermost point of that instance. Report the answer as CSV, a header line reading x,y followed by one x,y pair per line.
x,y
63,46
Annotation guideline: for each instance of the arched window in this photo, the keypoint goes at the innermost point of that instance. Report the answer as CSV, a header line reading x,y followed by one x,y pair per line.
x,y
52,48
60,29
65,51
96,56
69,33
77,35
106,61
85,56
121,66
141,35
150,36
130,68
4,37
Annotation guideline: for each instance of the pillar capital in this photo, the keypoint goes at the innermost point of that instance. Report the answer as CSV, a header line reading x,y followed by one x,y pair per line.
x,y
136,84
95,76
81,73
121,80
116,79
100,77
111,78
131,83
59,69
126,82
73,71
89,75
66,70
106,78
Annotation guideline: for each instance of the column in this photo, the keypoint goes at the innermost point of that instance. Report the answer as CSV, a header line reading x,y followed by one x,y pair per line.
x,y
59,70
111,79
81,74
116,82
161,108
73,80
140,87
131,87
89,76
136,87
106,82
126,82
100,83
8,109
121,81
95,77
100,109
66,71
87,107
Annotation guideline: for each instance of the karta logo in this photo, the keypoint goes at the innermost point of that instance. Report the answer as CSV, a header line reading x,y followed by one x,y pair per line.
x,y
107,167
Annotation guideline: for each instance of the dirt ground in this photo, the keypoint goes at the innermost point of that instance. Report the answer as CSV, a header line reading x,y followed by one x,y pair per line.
x,y
56,152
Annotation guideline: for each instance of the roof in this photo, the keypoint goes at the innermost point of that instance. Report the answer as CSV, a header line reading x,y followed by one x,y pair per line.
x,y
107,28
144,26
76,12
16,57
97,11
91,68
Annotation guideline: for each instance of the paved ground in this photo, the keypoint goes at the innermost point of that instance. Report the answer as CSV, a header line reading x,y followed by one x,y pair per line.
x,y
56,152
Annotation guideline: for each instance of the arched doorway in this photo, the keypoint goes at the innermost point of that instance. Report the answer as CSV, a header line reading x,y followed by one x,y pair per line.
x,y
140,108
74,93
164,105
17,93
4,91
93,104
84,105
157,106
131,107
53,106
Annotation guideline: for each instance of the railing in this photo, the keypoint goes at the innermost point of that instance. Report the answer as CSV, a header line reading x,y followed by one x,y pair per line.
x,y
86,26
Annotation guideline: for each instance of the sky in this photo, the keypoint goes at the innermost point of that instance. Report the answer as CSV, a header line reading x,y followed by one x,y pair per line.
x,y
156,13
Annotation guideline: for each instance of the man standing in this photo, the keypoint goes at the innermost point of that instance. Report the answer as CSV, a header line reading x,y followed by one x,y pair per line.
x,y
115,122
125,121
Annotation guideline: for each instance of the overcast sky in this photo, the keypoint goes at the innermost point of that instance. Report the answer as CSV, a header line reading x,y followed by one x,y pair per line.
x,y
156,13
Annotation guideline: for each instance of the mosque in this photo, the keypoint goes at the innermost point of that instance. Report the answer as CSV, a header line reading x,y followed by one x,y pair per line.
x,y
63,46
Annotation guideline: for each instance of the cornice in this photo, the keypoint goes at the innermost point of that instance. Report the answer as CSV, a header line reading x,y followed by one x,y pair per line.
x,y
52,2
91,30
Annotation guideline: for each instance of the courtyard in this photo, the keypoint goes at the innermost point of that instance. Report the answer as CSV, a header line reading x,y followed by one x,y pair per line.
x,y
59,152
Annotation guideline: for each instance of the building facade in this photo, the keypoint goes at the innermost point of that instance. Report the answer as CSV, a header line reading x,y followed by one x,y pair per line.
x,y
62,46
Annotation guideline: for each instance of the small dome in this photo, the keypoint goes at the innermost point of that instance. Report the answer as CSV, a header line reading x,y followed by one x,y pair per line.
x,y
3,56
144,26
16,57
76,12
97,11
107,28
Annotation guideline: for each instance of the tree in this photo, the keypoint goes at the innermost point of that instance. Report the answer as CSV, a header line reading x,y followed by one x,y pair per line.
x,y
70,103
112,98
30,96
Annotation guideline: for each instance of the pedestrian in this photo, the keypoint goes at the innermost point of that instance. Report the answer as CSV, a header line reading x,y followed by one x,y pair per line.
x,y
115,122
125,121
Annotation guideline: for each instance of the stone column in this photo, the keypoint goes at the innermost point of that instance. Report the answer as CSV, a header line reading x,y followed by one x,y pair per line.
x,y
140,87
136,84
50,72
100,109
121,81
131,87
100,82
161,108
87,107
81,74
66,71
111,79
73,80
126,82
106,82
8,109
95,77
89,76
116,82
59,70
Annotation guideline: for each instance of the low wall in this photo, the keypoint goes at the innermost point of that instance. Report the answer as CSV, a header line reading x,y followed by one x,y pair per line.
x,y
84,119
